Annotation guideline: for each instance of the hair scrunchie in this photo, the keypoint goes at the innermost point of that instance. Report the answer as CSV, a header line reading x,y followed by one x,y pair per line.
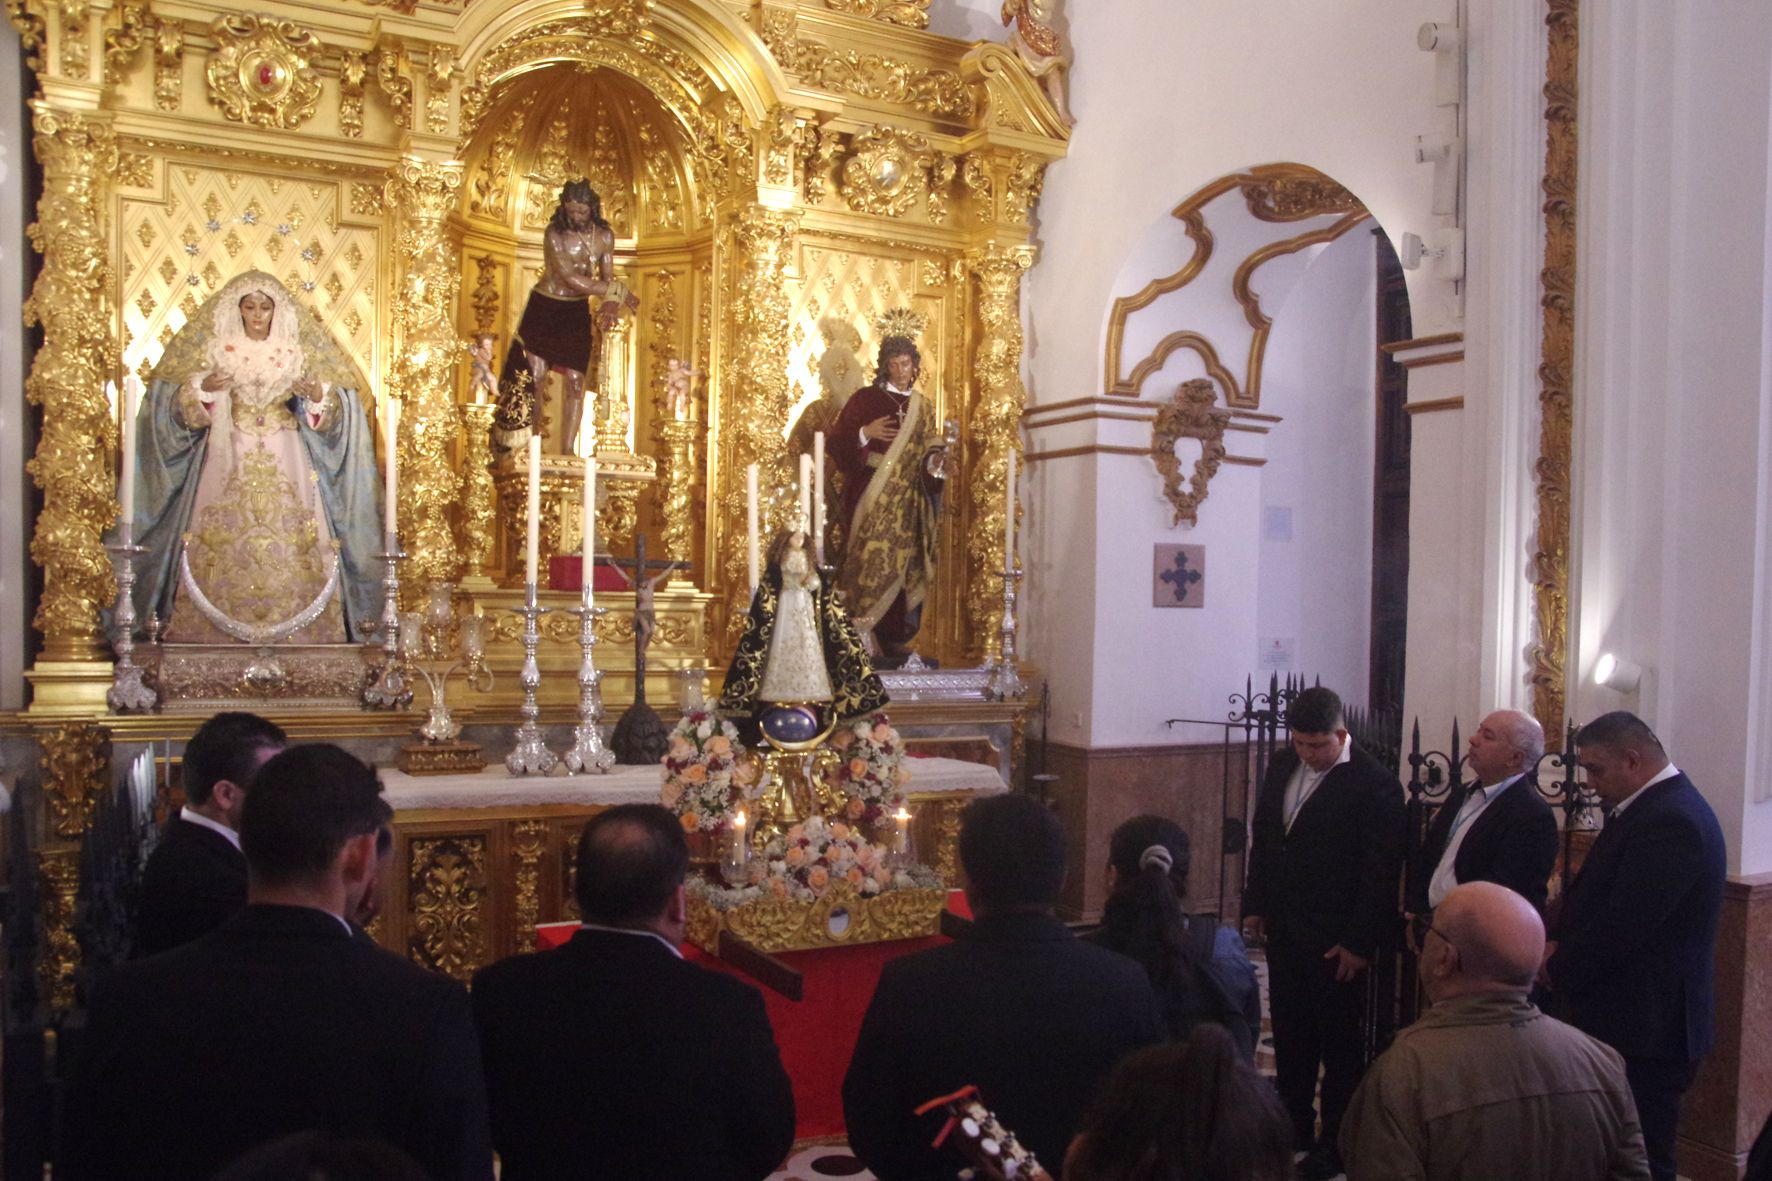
x,y
1157,855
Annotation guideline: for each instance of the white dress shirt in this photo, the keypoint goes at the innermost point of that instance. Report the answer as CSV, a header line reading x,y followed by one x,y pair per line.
x,y
213,825
675,950
1667,772
1304,781
1475,801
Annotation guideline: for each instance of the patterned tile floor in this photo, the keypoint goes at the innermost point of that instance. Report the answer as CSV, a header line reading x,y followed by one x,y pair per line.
x,y
811,1161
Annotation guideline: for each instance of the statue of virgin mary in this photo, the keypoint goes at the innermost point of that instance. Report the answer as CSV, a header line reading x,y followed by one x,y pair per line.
x,y
256,461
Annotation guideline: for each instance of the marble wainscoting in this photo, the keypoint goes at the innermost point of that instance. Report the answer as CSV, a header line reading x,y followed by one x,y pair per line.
x,y
1728,1103
1194,785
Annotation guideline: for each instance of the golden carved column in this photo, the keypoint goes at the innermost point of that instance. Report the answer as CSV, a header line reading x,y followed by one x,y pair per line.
x,y
72,302
755,404
75,762
477,496
423,192
996,430
679,488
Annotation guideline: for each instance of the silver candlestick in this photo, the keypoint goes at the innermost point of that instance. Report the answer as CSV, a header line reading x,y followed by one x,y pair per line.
x,y
588,754
387,687
530,755
127,691
1006,680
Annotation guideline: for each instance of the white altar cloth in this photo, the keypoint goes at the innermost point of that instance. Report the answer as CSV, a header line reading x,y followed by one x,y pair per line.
x,y
497,788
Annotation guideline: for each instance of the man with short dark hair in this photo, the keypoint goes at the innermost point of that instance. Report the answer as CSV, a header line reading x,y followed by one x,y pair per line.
x,y
280,1021
1635,938
612,1056
1018,1006
195,879
1469,1091
1498,829
1326,854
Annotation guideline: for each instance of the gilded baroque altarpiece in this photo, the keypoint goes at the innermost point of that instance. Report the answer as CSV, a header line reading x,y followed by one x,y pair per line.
x,y
777,174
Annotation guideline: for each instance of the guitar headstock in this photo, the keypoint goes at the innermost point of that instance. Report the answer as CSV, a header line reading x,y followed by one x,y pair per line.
x,y
991,1150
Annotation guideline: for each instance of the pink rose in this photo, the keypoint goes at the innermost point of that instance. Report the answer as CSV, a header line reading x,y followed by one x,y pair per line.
x,y
680,749
695,773
842,739
865,856
673,792
839,831
795,855
818,877
718,745
854,875
796,834
856,808
882,732
883,875
778,888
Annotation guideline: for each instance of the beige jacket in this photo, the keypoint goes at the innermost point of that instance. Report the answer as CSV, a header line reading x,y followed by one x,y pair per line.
x,y
1486,1087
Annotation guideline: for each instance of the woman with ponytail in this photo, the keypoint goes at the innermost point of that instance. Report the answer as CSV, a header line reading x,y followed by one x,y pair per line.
x,y
1200,972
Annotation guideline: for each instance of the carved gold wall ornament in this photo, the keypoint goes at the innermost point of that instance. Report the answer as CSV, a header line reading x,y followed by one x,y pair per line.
x,y
477,493
76,49
1190,414
995,429
941,180
353,73
123,44
76,763
261,73
529,839
169,64
1556,370
599,35
440,74
72,301
1291,192
393,73
1021,190
490,194
912,14
485,297
887,171
678,488
975,174
1193,218
1249,398
819,148
28,23
447,884
938,92
60,871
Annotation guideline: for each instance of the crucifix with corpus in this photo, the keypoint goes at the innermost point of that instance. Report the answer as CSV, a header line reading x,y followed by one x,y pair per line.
x,y
640,735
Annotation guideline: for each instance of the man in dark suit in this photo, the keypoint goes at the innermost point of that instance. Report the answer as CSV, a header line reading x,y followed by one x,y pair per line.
x,y
1498,829
1323,873
1018,1006
280,1021
614,1057
1634,939
195,879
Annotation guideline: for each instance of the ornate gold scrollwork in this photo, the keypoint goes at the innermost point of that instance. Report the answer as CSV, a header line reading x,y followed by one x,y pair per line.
x,y
485,296
619,514
529,837
124,43
447,885
477,498
976,176
1191,414
393,73
60,870
678,489
74,762
75,50
996,427
29,24
260,71
938,92
912,14
1292,192
887,172
353,73
819,148
72,301
941,179
1556,370
440,74
169,64
837,918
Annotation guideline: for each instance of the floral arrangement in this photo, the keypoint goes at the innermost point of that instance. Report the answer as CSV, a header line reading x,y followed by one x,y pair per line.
x,y
870,771
706,771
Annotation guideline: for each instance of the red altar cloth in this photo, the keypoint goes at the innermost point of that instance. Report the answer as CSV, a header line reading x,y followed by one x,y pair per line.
x,y
816,1034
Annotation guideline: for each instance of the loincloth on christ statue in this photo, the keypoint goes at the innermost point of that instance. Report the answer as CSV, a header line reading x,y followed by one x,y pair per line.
x,y
558,331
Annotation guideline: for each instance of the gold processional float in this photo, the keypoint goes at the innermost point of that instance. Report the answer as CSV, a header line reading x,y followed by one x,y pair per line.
x,y
778,180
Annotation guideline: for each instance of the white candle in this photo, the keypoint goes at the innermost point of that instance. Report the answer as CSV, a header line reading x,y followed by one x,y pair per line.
x,y
752,558
1009,517
132,400
390,498
818,495
805,521
904,832
588,547
534,550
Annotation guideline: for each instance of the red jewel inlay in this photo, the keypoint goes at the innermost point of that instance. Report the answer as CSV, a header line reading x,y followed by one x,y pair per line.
x,y
267,74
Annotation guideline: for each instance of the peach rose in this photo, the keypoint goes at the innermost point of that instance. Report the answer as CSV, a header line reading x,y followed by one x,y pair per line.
x,y
796,833
719,744
778,888
842,739
883,875
691,821
856,808
839,831
865,856
818,877
695,773
858,768
795,855
673,791
854,875
745,772
680,749
882,733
